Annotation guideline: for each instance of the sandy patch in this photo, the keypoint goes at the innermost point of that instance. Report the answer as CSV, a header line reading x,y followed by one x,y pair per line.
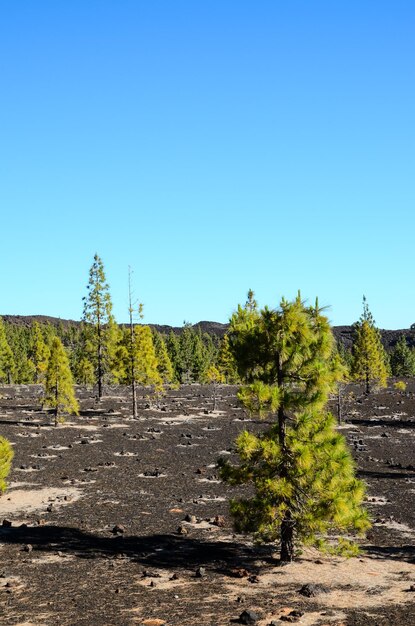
x,y
378,500
89,441
150,476
352,583
401,528
53,558
180,419
18,483
211,498
30,500
125,454
90,427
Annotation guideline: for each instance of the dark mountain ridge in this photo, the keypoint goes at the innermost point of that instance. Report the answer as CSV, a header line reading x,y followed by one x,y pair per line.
x,y
343,334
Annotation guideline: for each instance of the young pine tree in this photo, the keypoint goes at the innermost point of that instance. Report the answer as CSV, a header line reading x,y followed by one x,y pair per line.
x,y
215,377
302,472
82,356
402,359
98,318
226,362
165,367
141,365
369,357
7,363
6,457
38,353
174,352
59,390
132,352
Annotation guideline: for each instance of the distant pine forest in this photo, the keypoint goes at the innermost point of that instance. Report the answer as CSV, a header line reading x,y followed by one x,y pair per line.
x,y
184,354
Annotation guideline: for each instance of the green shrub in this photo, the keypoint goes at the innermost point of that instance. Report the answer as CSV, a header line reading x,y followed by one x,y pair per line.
x,y
6,456
400,385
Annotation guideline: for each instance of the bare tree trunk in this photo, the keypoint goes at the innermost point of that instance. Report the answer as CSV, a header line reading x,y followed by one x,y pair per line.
x,y
287,538
287,524
99,354
132,347
339,403
56,401
214,397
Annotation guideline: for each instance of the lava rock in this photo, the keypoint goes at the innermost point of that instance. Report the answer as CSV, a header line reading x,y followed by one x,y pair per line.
x,y
200,572
248,617
310,590
118,529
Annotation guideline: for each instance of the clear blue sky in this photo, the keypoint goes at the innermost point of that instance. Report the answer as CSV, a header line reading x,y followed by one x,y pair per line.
x,y
214,146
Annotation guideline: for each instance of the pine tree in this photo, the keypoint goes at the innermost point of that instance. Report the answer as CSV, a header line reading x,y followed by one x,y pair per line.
x,y
85,373
59,391
141,352
226,362
83,355
6,457
213,376
132,348
7,363
146,362
402,359
114,353
300,467
38,352
98,316
165,367
187,353
173,349
369,357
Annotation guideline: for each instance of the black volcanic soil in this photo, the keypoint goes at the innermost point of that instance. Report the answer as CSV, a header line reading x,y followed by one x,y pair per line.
x,y
64,561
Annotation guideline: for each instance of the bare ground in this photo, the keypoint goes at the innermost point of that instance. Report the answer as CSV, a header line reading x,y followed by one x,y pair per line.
x,y
63,561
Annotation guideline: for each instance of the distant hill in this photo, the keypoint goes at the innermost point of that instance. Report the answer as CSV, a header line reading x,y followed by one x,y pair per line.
x,y
213,328
344,334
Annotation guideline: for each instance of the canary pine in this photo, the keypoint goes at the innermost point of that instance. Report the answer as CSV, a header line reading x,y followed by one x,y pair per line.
x,y
99,321
301,470
6,457
59,390
369,357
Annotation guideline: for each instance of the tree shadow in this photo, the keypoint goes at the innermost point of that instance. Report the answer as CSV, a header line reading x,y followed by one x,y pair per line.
x,y
388,474
396,423
21,407
157,551
23,423
399,553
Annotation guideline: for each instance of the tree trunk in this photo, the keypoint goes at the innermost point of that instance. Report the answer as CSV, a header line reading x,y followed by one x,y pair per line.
x,y
287,538
214,397
339,404
287,524
56,402
134,392
99,354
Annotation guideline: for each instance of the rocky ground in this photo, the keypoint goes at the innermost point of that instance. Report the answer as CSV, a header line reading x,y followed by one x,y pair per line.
x,y
110,521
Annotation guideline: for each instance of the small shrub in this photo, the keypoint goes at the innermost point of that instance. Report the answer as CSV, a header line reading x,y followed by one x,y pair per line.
x,y
6,456
400,385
